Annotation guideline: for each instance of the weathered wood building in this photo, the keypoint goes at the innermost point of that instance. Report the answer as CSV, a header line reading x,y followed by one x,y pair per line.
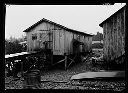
x,y
114,35
60,40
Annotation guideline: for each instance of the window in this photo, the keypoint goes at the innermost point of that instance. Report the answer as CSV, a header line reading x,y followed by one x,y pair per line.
x,y
34,36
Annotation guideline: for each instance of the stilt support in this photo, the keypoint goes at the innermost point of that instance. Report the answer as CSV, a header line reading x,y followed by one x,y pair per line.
x,y
65,61
22,72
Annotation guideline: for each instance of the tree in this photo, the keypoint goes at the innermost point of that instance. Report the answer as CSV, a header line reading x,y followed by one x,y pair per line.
x,y
98,37
13,46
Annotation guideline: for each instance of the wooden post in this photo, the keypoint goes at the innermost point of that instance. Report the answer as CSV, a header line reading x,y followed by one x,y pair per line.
x,y
51,57
21,68
22,74
65,61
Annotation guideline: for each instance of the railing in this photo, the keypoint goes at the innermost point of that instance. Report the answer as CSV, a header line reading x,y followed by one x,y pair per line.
x,y
12,59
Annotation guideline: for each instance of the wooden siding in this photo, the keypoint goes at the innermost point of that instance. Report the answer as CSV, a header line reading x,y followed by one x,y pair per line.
x,y
58,43
90,44
87,43
61,39
114,36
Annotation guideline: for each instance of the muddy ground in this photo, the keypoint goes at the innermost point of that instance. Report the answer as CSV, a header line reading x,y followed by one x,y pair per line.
x,y
58,78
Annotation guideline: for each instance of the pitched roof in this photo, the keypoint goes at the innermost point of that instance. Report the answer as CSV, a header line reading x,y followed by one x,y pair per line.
x,y
101,24
45,20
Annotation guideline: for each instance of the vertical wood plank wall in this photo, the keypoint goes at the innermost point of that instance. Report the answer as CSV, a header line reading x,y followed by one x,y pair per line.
x,y
114,36
61,39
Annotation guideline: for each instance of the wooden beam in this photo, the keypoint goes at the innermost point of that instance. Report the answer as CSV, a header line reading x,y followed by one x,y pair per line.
x,y
51,58
70,63
72,60
59,61
65,61
22,74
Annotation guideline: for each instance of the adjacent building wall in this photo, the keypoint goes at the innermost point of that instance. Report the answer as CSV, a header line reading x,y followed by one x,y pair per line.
x,y
114,36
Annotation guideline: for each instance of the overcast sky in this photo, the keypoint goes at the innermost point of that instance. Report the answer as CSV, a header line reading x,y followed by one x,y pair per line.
x,y
84,18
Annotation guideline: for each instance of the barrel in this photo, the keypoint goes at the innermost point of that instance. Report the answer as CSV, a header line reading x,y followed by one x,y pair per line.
x,y
32,79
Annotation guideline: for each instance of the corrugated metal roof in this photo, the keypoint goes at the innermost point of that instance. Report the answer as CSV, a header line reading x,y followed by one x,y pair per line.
x,y
101,24
45,20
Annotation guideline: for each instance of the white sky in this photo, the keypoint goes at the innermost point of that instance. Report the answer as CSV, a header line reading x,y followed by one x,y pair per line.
x,y
84,18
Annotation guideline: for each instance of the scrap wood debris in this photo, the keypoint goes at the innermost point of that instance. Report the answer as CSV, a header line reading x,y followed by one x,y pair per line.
x,y
61,78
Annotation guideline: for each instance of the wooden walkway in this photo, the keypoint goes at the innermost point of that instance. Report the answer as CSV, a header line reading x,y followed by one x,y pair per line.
x,y
102,74
18,54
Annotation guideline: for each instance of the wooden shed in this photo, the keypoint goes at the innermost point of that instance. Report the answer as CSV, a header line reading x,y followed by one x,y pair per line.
x,y
114,35
60,40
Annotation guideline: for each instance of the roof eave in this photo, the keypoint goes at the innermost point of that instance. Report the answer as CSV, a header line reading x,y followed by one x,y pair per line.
x,y
28,29
101,24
